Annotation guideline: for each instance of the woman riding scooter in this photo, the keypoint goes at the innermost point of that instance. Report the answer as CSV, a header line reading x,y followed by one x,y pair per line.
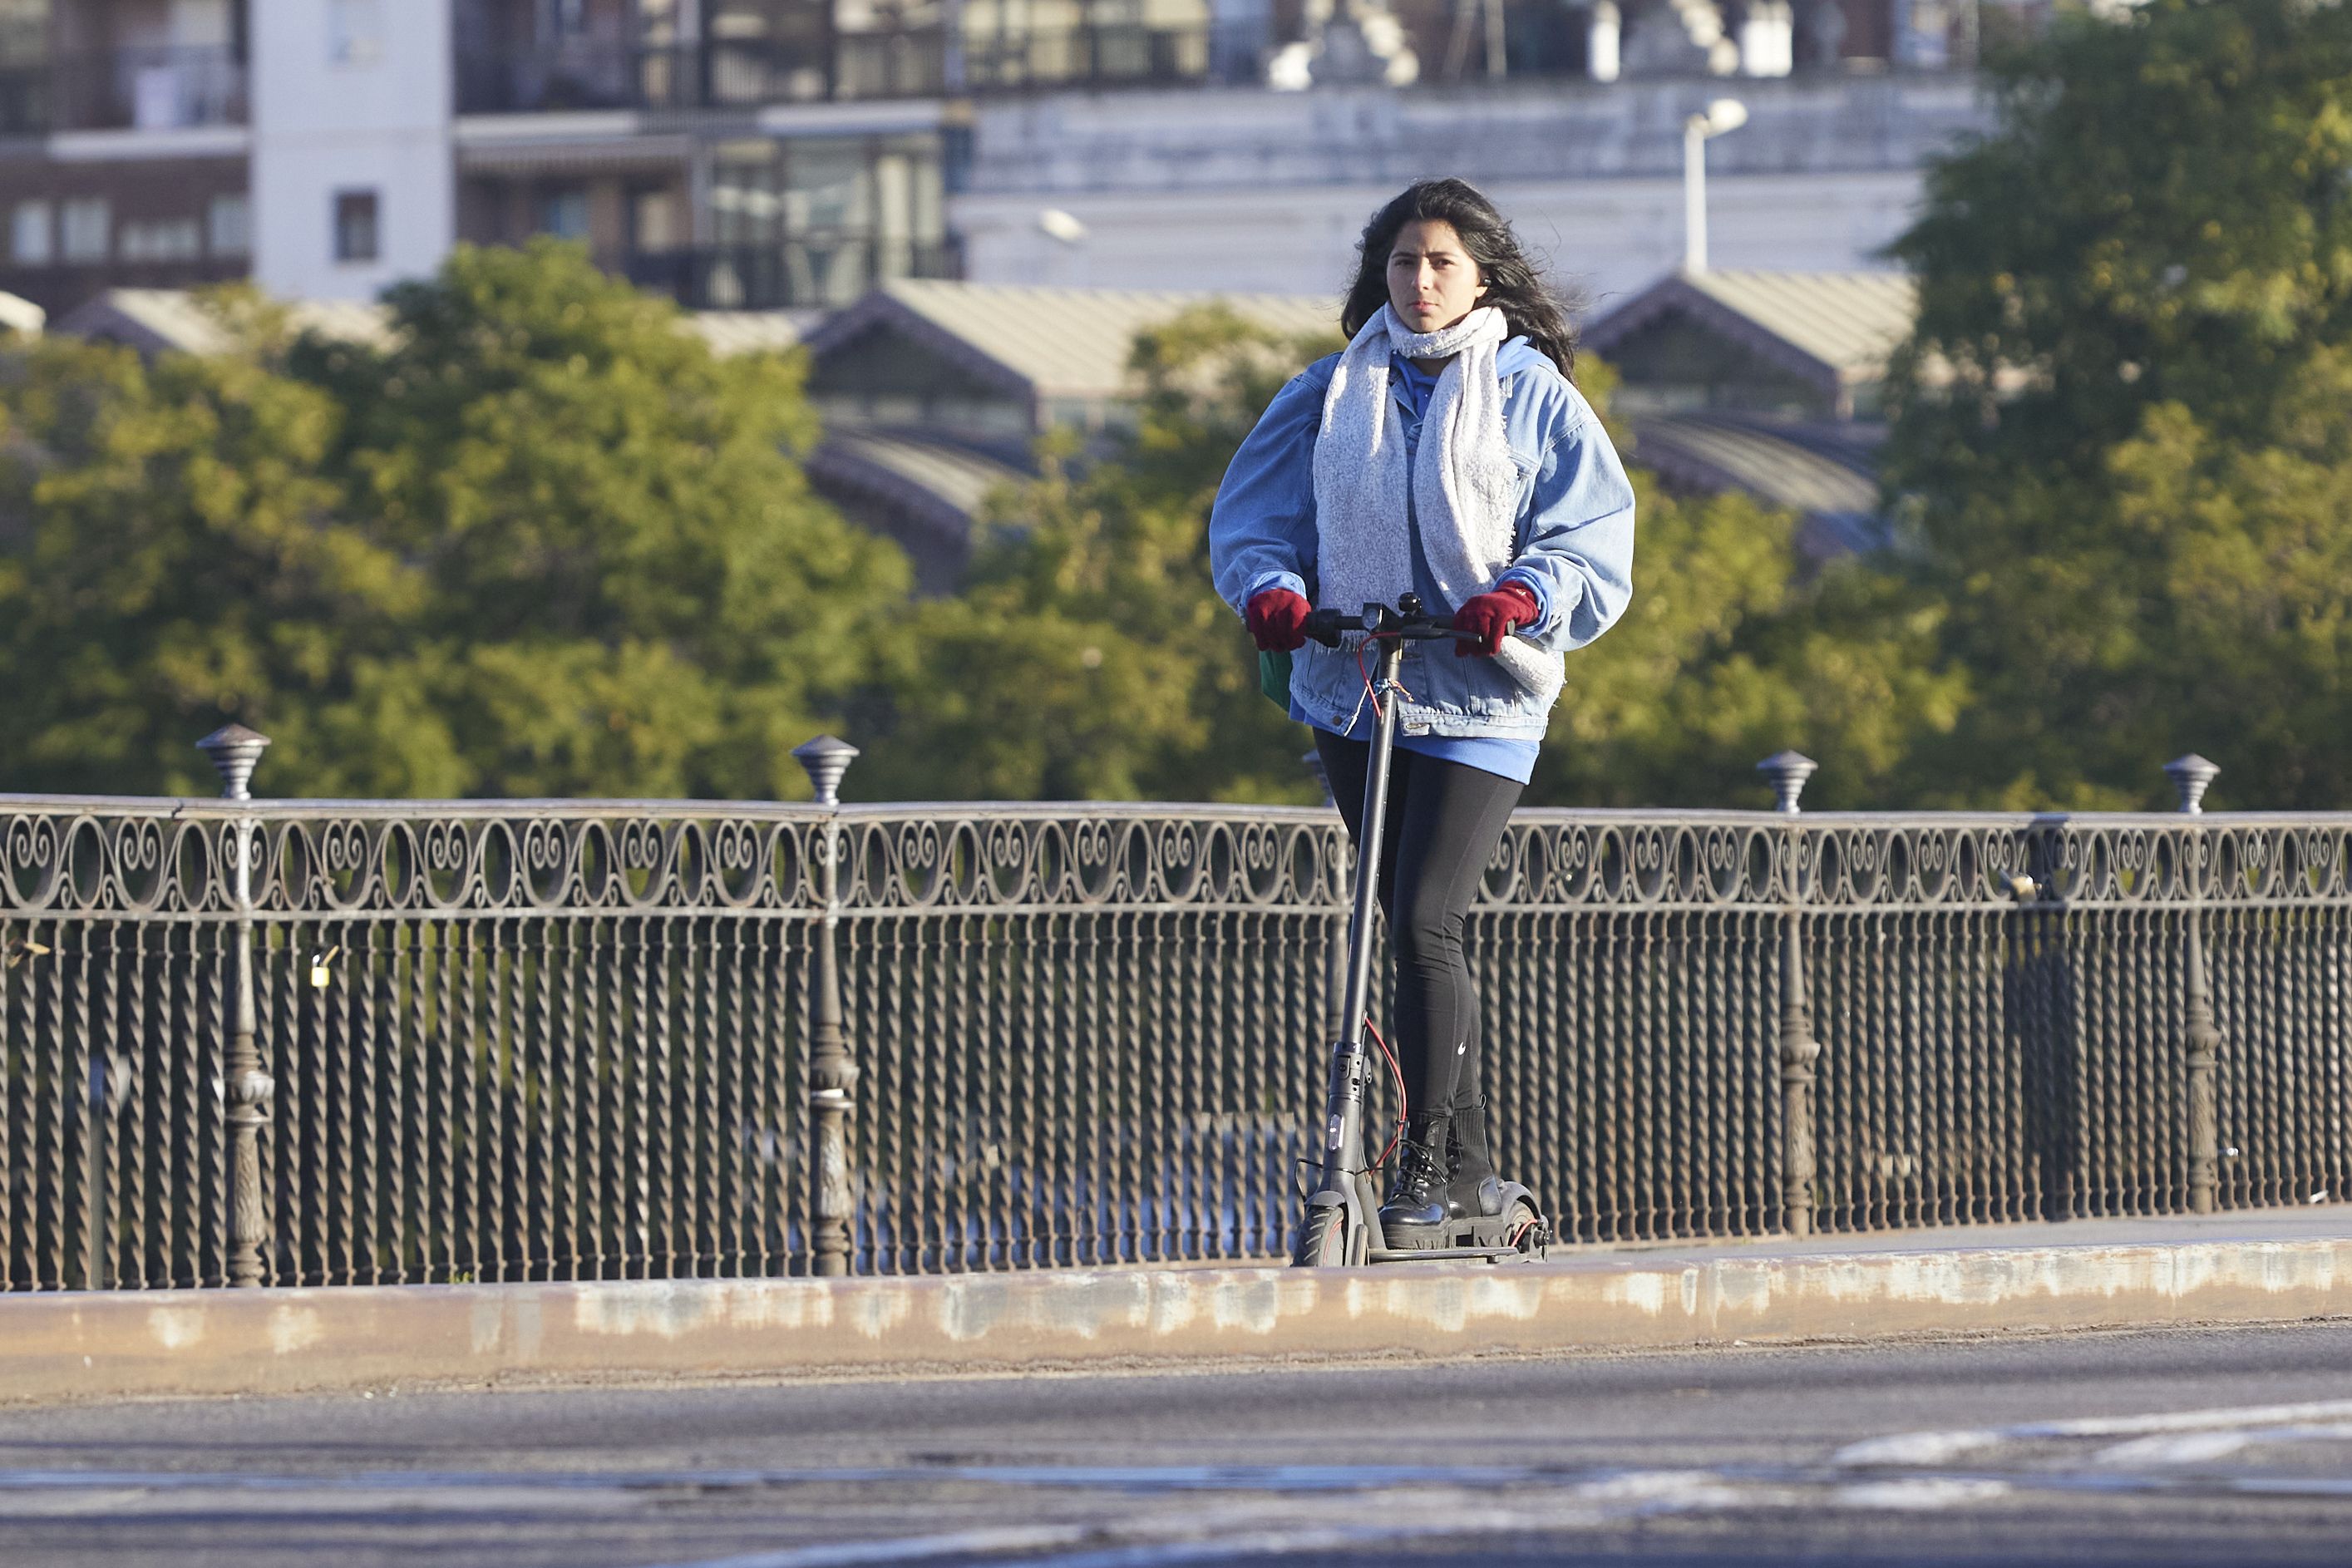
x,y
1444,453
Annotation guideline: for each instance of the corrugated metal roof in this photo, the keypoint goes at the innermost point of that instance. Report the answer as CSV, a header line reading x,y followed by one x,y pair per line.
x,y
1807,468
1852,320
1067,343
1836,329
730,332
925,494
21,315
153,320
158,319
946,483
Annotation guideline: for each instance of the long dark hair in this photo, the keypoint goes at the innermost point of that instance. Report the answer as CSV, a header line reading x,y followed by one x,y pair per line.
x,y
1513,282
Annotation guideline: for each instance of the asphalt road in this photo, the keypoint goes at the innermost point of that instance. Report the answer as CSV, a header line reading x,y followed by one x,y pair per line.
x,y
2223,1446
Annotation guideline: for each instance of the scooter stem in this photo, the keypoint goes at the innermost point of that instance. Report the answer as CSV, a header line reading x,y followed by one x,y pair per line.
x,y
1343,1154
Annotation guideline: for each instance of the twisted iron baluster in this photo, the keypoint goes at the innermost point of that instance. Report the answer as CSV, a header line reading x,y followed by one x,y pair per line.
x,y
701,1106
140,1070
574,1084
731,1070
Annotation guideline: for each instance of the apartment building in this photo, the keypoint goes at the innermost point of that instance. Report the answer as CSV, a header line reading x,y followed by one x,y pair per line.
x,y
125,145
766,154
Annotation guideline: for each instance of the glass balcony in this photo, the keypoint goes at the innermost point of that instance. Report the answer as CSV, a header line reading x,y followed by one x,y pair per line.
x,y
810,271
713,74
913,63
163,89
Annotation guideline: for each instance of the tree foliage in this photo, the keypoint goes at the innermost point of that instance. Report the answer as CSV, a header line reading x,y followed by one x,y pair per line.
x,y
543,543
2115,443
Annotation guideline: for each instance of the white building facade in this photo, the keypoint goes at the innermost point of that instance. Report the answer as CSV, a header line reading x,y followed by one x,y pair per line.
x,y
353,172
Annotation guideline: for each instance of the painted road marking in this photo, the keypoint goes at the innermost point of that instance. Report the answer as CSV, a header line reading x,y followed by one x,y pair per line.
x,y
1905,1448
2203,1448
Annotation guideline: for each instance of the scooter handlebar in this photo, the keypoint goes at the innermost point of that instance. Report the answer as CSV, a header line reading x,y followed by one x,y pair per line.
x,y
1406,621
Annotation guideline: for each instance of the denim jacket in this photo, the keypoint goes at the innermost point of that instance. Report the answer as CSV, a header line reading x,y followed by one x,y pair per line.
x,y
1574,549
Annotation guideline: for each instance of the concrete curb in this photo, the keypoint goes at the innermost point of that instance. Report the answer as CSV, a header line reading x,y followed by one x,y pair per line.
x,y
152,1344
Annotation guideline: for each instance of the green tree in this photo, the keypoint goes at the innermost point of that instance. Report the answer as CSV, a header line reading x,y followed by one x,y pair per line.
x,y
543,543
172,556
2112,442
1731,650
632,586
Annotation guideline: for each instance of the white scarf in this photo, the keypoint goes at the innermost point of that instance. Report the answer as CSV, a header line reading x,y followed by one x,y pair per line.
x,y
1464,486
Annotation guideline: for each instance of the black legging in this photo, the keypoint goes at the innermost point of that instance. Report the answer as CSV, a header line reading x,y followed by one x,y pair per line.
x,y
1443,822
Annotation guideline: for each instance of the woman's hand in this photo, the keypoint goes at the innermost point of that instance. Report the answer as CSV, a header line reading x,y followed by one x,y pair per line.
x,y
1277,619
1492,616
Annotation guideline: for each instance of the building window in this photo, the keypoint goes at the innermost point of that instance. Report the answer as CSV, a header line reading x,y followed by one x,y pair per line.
x,y
163,239
229,225
355,32
32,238
89,229
564,214
355,226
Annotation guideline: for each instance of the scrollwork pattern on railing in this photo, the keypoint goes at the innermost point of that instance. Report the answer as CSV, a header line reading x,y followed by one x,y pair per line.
x,y
104,858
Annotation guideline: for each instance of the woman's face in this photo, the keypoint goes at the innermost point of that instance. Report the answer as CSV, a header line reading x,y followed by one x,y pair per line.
x,y
1432,282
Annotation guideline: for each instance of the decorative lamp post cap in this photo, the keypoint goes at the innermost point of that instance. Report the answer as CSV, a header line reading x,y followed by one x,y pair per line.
x,y
1788,771
235,751
2191,775
825,759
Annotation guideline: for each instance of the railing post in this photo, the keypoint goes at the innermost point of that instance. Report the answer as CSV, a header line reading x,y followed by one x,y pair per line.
x,y
2191,775
830,1071
1799,1050
235,750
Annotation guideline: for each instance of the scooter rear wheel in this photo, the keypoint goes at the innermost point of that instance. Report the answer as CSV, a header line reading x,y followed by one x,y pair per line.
x,y
1323,1242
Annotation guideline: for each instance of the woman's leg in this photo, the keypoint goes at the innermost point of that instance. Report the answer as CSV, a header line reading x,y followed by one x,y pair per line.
x,y
1444,823
1453,819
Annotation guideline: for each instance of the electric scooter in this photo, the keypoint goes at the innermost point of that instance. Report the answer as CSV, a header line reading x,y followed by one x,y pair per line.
x,y
1341,1226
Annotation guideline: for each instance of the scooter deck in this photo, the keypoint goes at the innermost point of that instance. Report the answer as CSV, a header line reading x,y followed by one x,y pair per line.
x,y
1486,1236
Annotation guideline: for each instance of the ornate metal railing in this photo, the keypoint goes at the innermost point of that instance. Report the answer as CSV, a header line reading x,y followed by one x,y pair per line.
x,y
337,1042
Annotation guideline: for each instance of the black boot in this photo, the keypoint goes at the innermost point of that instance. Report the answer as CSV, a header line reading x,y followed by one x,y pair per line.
x,y
1473,1190
1417,1183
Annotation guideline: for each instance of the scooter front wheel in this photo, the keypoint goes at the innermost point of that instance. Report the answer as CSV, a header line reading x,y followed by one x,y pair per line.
x,y
1323,1240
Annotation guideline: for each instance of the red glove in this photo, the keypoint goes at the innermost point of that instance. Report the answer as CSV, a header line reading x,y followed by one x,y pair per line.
x,y
1277,619
1492,616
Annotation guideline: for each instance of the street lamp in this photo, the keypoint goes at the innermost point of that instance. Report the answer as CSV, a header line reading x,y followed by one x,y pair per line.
x,y
1722,115
1065,259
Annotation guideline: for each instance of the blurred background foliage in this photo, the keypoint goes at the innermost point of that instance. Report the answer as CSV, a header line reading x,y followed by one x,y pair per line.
x,y
548,544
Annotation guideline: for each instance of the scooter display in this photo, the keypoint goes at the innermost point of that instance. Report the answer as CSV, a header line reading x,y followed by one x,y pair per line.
x,y
1341,1225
